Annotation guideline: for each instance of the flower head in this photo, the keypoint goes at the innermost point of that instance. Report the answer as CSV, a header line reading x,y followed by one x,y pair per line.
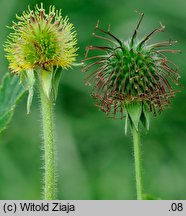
x,y
40,45
131,72
131,79
41,40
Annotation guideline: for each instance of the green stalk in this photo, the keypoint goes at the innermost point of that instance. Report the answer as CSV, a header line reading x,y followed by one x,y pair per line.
x,y
48,136
137,160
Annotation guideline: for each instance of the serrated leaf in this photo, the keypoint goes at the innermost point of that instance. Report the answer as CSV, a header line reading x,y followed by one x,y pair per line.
x,y
134,111
11,91
4,120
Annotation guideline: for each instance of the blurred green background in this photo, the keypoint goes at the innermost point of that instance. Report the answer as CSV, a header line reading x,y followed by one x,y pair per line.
x,y
95,158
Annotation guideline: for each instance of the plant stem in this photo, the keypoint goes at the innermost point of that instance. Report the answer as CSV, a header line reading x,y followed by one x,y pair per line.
x,y
137,159
48,136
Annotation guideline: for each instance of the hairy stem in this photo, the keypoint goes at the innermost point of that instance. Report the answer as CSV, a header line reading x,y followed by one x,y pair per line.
x,y
48,136
137,160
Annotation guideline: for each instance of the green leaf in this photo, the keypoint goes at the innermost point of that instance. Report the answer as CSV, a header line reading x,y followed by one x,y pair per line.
x,y
11,92
134,111
4,120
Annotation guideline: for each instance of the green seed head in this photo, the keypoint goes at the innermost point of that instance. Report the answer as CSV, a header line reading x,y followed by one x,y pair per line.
x,y
40,45
131,72
41,40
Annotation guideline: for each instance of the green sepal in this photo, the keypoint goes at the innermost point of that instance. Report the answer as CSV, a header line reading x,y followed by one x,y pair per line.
x,y
29,78
46,80
77,64
56,81
134,110
126,123
145,117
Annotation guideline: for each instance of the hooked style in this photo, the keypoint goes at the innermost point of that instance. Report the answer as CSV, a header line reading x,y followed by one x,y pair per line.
x,y
41,40
131,72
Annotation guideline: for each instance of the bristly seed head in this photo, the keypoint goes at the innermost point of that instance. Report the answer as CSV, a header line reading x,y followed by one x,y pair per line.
x,y
41,40
131,71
